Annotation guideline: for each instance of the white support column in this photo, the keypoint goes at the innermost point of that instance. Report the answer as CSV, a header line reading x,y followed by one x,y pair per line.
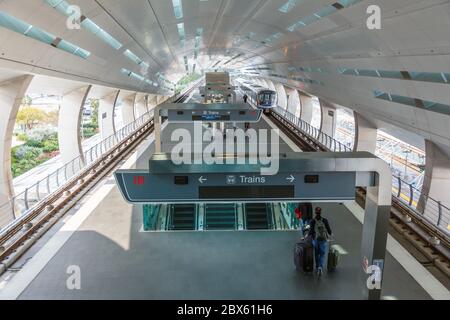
x,y
151,102
365,135
140,106
106,114
69,125
281,95
293,101
11,95
127,109
436,183
271,85
328,123
306,111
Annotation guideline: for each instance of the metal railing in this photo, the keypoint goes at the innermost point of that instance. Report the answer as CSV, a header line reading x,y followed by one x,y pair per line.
x,y
432,210
23,203
18,207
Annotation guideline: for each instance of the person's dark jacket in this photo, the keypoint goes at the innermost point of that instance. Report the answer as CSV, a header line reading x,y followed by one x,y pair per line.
x,y
313,225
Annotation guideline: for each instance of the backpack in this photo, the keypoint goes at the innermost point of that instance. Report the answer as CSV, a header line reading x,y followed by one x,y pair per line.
x,y
321,230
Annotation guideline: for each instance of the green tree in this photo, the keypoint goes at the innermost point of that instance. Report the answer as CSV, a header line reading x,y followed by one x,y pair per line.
x,y
52,117
29,116
94,107
27,101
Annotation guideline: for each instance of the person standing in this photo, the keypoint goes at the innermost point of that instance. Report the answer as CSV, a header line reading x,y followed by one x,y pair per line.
x,y
321,232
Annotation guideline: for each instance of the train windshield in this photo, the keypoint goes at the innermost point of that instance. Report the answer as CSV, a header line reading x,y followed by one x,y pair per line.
x,y
267,98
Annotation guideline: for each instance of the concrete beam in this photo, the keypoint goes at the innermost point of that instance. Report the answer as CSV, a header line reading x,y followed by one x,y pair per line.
x,y
436,183
106,108
328,119
69,124
365,135
11,95
306,107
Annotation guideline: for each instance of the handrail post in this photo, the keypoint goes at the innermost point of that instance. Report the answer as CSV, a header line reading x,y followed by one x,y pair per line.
x,y
37,191
26,199
411,195
57,178
48,184
439,213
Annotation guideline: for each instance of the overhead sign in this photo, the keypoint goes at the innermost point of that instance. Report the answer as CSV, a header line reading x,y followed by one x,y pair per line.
x,y
218,112
241,187
166,182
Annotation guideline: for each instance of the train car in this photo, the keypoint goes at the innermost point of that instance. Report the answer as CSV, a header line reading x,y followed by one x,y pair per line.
x,y
260,97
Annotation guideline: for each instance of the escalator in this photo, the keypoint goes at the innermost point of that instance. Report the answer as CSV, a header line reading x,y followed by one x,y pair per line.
x,y
182,217
220,216
257,216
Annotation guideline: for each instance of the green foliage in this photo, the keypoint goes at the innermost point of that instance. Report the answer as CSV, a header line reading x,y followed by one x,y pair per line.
x,y
39,147
22,137
94,107
186,80
89,132
25,158
50,145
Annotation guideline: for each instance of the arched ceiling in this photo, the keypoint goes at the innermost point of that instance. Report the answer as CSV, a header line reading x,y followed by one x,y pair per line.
x,y
254,37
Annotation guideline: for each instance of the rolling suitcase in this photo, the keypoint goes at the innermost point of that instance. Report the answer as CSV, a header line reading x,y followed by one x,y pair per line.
x,y
304,256
333,259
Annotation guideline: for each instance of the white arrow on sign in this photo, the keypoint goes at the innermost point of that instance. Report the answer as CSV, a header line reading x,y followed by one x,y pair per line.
x,y
291,178
202,180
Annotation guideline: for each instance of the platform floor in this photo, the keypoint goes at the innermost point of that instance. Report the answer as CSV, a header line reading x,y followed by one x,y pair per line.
x,y
119,261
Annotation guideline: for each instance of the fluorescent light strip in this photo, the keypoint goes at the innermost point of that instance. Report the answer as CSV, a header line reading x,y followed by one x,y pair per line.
x,y
288,6
435,77
414,102
181,33
90,26
64,8
130,55
133,75
13,24
324,12
177,9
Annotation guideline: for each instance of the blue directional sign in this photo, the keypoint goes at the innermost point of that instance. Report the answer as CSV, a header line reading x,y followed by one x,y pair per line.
x,y
168,183
214,112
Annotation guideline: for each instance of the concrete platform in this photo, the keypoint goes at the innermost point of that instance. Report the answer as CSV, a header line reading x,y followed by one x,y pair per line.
x,y
118,261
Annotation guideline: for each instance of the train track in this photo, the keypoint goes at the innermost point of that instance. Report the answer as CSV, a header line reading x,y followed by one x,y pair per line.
x,y
430,241
22,235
